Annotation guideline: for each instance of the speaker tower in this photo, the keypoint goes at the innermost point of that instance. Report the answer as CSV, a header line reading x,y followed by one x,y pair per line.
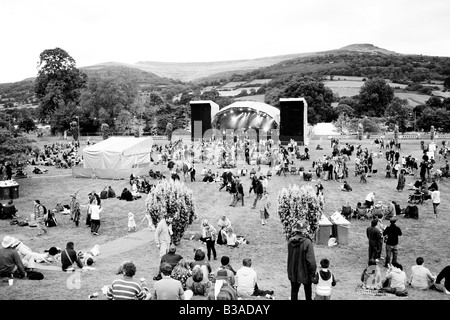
x,y
202,113
293,120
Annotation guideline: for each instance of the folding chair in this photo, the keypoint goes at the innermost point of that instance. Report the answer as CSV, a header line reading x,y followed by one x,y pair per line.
x,y
293,170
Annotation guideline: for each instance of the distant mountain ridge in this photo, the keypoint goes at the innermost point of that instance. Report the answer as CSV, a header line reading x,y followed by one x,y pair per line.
x,y
194,71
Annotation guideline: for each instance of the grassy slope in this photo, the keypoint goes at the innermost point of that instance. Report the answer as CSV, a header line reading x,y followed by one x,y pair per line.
x,y
267,248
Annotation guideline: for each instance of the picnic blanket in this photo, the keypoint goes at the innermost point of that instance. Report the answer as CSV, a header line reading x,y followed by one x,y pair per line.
x,y
360,289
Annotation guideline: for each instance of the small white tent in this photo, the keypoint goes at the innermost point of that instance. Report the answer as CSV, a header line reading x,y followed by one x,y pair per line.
x,y
117,157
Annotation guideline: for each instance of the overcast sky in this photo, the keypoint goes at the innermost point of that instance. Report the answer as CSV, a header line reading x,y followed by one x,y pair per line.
x,y
95,31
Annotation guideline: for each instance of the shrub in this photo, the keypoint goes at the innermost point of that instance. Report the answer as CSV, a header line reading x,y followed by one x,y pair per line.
x,y
299,204
174,199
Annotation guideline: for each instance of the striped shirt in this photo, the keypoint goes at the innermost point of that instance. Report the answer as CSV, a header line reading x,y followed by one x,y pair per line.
x,y
126,289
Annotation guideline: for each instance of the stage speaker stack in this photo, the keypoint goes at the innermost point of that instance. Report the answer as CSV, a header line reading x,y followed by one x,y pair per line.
x,y
202,113
293,120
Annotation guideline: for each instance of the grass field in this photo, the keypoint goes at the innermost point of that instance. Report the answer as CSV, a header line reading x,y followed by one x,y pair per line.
x,y
426,237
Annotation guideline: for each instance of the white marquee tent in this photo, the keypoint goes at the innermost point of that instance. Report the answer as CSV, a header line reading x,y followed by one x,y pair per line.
x,y
116,157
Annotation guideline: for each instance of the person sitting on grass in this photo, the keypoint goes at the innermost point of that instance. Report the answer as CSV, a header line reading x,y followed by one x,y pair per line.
x,y
221,289
126,288
225,266
196,288
347,211
246,279
69,257
231,238
171,258
9,210
182,272
199,259
29,258
346,187
395,280
421,277
444,274
10,262
371,276
167,288
126,195
111,192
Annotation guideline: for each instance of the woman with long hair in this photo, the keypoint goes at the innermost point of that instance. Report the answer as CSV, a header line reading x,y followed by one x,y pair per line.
x,y
181,272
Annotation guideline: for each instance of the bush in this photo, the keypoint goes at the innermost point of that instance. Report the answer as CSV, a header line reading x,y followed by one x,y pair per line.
x,y
298,204
174,199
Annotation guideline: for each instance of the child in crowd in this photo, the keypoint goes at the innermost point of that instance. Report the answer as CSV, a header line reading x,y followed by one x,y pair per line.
x,y
324,281
131,222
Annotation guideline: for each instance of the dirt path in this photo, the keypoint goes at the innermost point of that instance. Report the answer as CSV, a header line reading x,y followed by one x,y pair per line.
x,y
126,243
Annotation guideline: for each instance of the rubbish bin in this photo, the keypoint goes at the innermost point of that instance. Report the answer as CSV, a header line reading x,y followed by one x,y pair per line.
x,y
324,231
5,192
14,192
341,227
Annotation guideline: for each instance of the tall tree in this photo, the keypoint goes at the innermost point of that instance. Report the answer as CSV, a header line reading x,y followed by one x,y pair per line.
x,y
13,147
317,96
59,82
399,112
374,97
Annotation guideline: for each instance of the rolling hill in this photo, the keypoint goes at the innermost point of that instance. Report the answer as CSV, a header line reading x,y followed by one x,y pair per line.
x,y
200,71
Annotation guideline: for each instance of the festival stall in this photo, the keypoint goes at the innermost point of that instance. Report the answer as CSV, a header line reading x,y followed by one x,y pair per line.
x,y
324,231
341,227
116,158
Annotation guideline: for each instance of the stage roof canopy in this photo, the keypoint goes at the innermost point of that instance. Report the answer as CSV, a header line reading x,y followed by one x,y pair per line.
x,y
251,106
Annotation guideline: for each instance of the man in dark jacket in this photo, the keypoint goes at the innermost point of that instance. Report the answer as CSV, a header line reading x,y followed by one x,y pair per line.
x,y
171,258
301,264
392,233
259,190
375,239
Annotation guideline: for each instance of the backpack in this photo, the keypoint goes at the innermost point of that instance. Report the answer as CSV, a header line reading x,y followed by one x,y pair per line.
x,y
35,275
51,220
412,212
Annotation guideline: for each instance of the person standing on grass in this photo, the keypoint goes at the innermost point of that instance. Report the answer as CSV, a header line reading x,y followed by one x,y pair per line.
x,y
264,210
95,218
259,190
324,281
39,216
75,209
209,236
301,264
436,199
392,233
401,180
375,239
163,235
